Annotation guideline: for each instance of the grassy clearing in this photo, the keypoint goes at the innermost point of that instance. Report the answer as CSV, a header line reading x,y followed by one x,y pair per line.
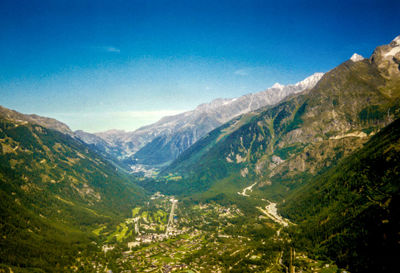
x,y
97,231
135,211
122,234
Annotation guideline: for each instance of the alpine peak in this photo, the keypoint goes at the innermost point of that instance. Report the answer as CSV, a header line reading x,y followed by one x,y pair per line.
x,y
277,85
396,41
310,81
356,57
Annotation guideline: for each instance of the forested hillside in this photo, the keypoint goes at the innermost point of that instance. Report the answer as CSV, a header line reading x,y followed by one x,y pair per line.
x,y
351,213
53,191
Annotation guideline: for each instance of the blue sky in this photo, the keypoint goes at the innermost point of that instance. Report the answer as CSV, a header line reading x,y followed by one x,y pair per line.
x,y
99,65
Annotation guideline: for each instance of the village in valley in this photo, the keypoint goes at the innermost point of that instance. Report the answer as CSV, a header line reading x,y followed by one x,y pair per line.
x,y
168,235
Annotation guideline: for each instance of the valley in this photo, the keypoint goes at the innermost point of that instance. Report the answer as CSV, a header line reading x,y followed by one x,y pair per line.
x,y
301,177
167,235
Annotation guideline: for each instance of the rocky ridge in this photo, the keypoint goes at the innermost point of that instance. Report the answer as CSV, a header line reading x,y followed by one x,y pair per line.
x,y
160,143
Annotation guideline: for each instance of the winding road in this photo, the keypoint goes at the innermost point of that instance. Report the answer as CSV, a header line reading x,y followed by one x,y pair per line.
x,y
249,188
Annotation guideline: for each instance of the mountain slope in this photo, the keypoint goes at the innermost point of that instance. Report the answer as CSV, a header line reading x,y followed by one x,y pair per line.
x,y
351,213
281,146
168,145
160,143
49,123
54,190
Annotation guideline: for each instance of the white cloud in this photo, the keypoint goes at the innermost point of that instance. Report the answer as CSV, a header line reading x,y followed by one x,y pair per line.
x,y
242,72
102,49
112,49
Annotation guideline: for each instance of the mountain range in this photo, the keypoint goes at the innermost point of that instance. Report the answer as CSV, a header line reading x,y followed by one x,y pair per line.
x,y
160,143
324,150
328,155
303,134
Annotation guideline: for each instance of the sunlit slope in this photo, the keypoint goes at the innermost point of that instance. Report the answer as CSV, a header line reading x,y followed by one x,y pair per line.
x,y
282,146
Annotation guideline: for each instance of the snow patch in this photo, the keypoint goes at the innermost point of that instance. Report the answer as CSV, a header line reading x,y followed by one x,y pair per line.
x,y
278,85
229,101
397,40
356,57
392,52
310,81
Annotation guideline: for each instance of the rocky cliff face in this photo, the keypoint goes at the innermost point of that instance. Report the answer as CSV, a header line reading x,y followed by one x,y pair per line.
x,y
387,58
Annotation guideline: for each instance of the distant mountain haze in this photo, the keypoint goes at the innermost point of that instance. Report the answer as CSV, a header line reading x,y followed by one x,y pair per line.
x,y
160,143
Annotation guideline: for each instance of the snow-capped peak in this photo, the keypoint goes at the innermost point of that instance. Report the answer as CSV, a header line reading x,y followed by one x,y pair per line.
x,y
278,85
356,57
394,47
396,40
310,81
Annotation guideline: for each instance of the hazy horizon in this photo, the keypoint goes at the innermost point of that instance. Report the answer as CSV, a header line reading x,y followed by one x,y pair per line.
x,y
115,120
100,65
